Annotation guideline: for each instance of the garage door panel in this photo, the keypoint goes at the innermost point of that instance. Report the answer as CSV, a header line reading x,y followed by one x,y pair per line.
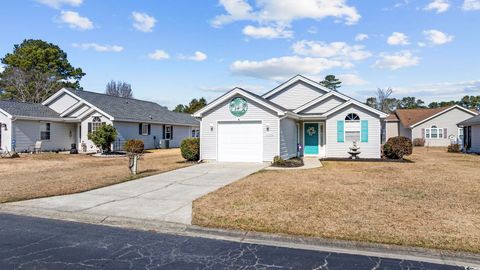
x,y
240,141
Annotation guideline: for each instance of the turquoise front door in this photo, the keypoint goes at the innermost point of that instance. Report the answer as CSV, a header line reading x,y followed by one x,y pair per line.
x,y
311,138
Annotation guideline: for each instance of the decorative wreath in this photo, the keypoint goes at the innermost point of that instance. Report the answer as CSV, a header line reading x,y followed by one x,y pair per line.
x,y
311,131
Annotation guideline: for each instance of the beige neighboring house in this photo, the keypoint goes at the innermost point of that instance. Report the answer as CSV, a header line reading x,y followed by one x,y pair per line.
x,y
437,126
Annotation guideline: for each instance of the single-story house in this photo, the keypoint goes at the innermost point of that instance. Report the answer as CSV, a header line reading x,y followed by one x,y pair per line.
x,y
246,127
68,116
437,126
471,139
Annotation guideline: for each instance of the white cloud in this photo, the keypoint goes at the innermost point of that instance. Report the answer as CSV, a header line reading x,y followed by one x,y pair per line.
x,y
98,47
438,5
198,56
469,5
285,67
75,21
397,60
274,13
442,90
267,32
143,22
351,79
436,37
59,3
159,55
398,38
340,50
361,37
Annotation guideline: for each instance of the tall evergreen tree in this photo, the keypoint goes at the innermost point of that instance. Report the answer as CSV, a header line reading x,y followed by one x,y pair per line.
x,y
331,82
35,70
193,106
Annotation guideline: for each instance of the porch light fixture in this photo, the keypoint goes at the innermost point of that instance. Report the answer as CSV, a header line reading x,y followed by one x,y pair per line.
x,y
267,127
4,126
211,127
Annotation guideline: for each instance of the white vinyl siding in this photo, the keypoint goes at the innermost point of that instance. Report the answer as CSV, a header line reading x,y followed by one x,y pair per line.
x,y
370,149
392,129
446,120
6,140
256,112
26,133
324,105
62,103
130,130
78,112
288,138
84,132
296,95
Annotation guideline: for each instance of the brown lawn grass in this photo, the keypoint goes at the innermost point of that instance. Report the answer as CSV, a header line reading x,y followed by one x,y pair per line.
x,y
49,174
433,202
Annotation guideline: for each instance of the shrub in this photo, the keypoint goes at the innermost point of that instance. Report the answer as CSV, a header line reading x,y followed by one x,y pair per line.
x,y
418,142
397,147
134,149
190,149
134,146
103,137
278,161
454,148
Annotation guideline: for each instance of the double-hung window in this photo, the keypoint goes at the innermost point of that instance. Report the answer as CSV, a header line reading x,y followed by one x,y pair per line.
x,y
144,129
195,133
45,132
96,123
352,128
434,133
168,132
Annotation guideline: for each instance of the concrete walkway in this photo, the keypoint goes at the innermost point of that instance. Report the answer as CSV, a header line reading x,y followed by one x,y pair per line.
x,y
308,163
163,197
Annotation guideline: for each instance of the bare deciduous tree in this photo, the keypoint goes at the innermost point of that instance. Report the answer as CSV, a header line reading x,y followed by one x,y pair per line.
x,y
383,97
31,86
119,89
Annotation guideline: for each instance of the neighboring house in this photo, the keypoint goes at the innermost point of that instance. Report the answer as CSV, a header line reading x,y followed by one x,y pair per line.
x,y
69,115
437,126
242,126
471,129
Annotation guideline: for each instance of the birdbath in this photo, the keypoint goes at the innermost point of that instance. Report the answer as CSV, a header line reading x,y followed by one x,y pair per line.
x,y
354,151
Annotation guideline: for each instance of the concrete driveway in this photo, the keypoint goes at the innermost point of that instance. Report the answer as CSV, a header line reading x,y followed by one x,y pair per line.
x,y
163,197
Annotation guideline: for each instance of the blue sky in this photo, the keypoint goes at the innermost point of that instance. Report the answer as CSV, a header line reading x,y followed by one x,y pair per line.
x,y
174,50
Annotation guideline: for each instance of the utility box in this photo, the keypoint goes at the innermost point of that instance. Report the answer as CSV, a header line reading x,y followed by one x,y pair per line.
x,y
164,144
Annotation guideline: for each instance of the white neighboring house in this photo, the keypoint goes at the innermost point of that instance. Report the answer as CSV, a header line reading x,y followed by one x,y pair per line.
x,y
471,129
241,126
69,115
437,126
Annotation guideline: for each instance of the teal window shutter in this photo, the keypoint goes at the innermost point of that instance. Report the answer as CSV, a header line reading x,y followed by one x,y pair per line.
x,y
340,131
364,131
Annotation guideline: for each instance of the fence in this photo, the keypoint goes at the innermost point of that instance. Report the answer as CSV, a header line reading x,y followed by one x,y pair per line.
x,y
118,145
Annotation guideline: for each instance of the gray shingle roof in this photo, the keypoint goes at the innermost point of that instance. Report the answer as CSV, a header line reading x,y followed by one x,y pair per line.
x,y
471,121
134,109
25,109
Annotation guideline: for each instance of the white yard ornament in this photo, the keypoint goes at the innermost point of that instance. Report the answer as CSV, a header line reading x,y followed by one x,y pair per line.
x,y
311,131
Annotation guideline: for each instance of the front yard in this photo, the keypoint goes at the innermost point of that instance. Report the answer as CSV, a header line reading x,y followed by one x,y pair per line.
x,y
433,202
50,174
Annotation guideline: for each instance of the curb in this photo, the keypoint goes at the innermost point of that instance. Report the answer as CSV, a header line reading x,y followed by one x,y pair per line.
x,y
462,259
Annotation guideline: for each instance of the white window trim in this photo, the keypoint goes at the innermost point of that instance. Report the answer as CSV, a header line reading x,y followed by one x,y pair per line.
x,y
359,129
43,129
439,132
96,124
195,133
144,129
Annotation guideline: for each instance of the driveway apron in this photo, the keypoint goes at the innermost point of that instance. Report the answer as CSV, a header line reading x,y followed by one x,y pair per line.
x,y
163,197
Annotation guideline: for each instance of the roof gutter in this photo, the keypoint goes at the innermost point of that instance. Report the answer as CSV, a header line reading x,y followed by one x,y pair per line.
x,y
155,122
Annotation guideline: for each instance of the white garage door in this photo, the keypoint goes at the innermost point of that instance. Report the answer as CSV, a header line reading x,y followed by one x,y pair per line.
x,y
240,141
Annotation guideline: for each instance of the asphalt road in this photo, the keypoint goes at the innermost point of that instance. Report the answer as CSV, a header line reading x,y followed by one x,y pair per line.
x,y
34,243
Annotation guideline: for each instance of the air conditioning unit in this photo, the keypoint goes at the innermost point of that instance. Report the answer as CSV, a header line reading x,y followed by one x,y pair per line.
x,y
164,144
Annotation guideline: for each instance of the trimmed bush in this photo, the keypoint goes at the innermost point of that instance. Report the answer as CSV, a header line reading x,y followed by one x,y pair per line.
x,y
398,147
418,142
278,161
134,146
103,137
190,149
454,148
